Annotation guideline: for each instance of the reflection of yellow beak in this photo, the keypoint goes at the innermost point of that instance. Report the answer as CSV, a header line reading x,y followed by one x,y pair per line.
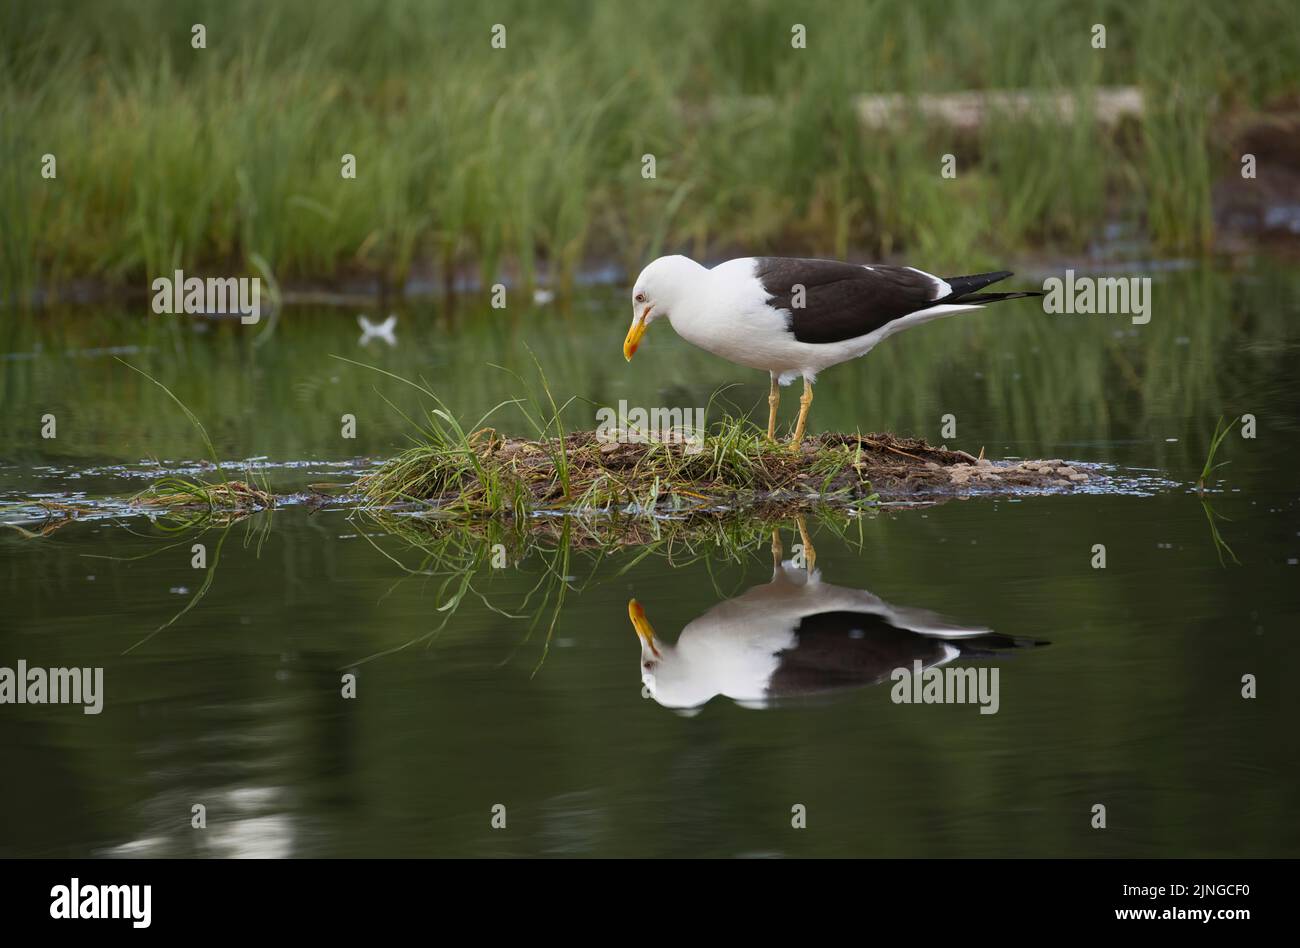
x,y
642,625
634,335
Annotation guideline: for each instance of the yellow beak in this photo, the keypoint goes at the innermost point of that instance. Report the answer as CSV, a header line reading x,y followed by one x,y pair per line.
x,y
642,625
634,335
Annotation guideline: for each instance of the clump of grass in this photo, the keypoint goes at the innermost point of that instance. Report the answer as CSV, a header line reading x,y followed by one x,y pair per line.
x,y
736,467
228,497
454,469
1220,432
224,498
1220,545
475,471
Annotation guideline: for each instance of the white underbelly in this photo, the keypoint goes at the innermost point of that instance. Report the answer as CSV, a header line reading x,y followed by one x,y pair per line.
x,y
760,339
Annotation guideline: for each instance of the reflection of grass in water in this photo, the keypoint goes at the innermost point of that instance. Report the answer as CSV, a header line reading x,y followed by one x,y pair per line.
x,y
192,525
57,516
193,508
459,553
209,575
1220,544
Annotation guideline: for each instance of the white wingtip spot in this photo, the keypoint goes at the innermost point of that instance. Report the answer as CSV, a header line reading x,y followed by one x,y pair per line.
x,y
941,287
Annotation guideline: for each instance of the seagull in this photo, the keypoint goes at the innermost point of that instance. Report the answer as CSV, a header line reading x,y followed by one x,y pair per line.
x,y
795,316
384,330
797,636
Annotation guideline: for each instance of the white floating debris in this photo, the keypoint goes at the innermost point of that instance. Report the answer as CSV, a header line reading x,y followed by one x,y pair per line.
x,y
383,331
972,109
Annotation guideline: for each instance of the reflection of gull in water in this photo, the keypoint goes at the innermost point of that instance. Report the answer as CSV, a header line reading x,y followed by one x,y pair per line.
x,y
797,636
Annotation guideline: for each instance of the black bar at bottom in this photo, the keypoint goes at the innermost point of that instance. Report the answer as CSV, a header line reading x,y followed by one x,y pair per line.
x,y
332,897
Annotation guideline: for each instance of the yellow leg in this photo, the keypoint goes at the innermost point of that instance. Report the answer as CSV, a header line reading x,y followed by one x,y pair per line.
x,y
773,399
809,554
776,548
805,402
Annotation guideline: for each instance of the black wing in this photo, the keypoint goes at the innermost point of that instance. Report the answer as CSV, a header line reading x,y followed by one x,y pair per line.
x,y
837,650
843,300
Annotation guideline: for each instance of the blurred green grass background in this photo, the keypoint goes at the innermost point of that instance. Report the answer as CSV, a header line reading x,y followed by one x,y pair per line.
x,y
492,161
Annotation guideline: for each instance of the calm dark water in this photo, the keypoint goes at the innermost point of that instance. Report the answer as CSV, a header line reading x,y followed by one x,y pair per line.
x,y
517,695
